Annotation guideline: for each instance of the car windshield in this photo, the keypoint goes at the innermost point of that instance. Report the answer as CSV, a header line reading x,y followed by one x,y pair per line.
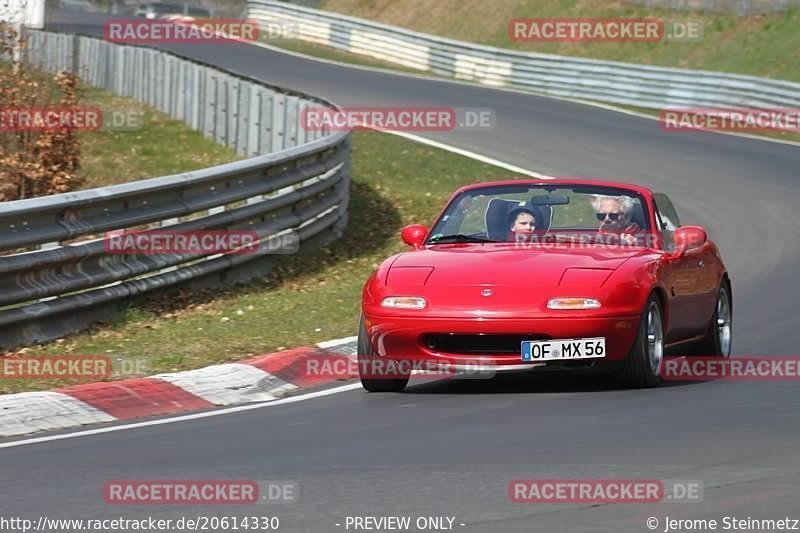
x,y
165,8
499,213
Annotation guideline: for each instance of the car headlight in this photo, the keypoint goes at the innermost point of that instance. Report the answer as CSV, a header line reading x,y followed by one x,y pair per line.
x,y
573,303
404,302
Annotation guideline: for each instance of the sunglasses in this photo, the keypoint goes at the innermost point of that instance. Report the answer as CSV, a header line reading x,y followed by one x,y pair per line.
x,y
613,217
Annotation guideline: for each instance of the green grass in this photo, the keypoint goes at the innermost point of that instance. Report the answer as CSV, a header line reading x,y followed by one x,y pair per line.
x,y
161,146
308,298
760,45
154,145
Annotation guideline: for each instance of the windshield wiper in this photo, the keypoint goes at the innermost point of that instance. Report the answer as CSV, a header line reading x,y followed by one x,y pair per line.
x,y
458,237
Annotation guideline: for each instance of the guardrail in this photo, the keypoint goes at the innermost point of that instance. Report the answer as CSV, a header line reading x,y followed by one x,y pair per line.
x,y
740,7
245,115
56,275
572,77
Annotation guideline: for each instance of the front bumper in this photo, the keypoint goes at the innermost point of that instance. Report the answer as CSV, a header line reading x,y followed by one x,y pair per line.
x,y
409,338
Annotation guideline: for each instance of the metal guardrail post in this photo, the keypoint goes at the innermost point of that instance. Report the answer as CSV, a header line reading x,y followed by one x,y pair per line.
x,y
266,124
278,122
292,125
76,55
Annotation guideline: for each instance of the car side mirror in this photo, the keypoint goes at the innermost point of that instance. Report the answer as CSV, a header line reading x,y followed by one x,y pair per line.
x,y
414,235
688,238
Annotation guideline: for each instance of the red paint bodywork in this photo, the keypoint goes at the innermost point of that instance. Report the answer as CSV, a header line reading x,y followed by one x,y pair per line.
x,y
451,278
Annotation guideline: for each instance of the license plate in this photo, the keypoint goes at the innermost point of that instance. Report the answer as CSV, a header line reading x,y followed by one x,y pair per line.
x,y
563,349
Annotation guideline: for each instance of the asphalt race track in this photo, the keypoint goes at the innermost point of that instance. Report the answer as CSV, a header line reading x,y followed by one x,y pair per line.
x,y
451,449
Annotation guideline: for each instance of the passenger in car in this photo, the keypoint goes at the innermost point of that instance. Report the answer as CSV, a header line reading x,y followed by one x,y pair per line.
x,y
614,214
521,223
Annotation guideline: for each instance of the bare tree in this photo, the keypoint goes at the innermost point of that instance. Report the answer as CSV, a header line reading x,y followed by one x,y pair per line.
x,y
34,161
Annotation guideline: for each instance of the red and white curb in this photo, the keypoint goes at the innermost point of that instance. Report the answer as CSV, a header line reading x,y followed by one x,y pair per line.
x,y
261,379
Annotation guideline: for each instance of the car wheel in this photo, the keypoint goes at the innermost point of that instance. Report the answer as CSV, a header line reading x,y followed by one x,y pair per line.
x,y
719,338
643,366
366,359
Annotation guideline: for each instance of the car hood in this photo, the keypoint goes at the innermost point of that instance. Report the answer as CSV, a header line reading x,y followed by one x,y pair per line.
x,y
502,264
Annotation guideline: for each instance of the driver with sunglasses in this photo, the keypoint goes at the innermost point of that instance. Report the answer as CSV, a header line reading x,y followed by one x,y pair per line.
x,y
614,214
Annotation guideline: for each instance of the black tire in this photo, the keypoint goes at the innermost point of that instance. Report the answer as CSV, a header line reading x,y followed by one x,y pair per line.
x,y
366,355
714,344
642,368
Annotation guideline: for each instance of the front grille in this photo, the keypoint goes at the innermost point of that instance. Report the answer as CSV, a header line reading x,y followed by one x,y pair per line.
x,y
474,344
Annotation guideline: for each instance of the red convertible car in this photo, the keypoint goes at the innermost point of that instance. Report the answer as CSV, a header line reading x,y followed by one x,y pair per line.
x,y
532,273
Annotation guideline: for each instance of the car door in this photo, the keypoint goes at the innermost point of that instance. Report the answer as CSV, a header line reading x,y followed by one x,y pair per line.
x,y
687,280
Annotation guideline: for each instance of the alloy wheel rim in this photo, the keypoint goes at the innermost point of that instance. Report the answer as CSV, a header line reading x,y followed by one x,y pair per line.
x,y
655,338
724,323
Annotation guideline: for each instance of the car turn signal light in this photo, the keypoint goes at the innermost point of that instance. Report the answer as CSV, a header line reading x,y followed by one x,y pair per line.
x,y
404,302
573,303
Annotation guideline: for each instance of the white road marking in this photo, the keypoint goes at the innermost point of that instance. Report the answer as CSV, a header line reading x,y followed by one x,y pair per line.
x,y
183,418
471,155
631,112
